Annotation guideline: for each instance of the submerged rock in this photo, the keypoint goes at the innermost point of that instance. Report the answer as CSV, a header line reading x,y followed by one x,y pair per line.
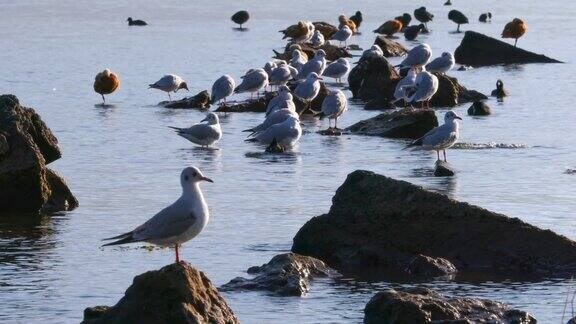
x,y
480,50
443,169
378,224
177,293
200,101
479,108
389,47
27,145
422,305
286,274
406,123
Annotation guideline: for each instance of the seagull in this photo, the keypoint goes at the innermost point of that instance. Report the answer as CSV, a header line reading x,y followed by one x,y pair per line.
x,y
286,133
514,29
298,60
423,16
253,81
222,88
283,99
169,83
137,22
276,117
202,134
334,105
373,52
106,82
418,56
280,75
309,89
241,17
457,17
342,35
442,64
317,39
337,69
314,65
177,223
424,89
405,85
440,138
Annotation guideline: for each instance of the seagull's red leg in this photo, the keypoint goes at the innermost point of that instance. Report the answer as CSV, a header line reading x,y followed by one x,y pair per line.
x,y
177,254
438,154
444,155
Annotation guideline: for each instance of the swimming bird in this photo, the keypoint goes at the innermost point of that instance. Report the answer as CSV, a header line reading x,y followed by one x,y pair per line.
x,y
276,117
389,28
106,82
405,86
440,138
514,29
297,33
442,64
333,106
423,16
240,17
499,92
485,17
418,56
309,89
343,21
342,35
253,81
317,64
280,75
457,17
202,134
137,22
317,39
357,19
405,19
337,69
424,89
286,133
178,223
222,88
283,99
298,59
169,83
411,32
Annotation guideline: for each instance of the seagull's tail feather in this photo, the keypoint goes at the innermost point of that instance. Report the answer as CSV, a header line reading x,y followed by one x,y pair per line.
x,y
417,142
125,240
251,130
178,129
152,86
118,236
251,140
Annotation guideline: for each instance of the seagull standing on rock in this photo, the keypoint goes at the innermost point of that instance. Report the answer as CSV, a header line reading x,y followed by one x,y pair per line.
x,y
317,39
280,75
405,85
418,56
298,60
202,134
342,35
178,223
283,99
337,69
424,89
169,83
253,81
309,89
440,138
442,64
222,88
334,105
315,65
286,133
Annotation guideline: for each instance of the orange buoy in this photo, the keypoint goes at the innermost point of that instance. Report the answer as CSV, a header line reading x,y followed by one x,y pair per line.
x,y
106,82
514,29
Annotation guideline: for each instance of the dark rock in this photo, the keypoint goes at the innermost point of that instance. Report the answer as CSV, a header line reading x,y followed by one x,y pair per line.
x,y
406,123
354,47
443,169
480,50
332,52
479,108
177,293
274,147
427,267
372,78
200,101
572,321
26,146
390,47
286,274
379,103
422,305
331,132
378,224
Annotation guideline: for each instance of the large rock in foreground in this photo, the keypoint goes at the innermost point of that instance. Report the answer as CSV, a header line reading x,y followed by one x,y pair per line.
x,y
26,146
379,224
421,305
480,50
406,123
286,274
177,293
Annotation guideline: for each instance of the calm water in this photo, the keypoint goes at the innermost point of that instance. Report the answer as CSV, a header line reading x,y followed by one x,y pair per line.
x,y
123,163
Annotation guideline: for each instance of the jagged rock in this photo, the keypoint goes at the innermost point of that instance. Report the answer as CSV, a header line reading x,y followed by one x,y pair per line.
x,y
479,108
389,47
200,101
177,293
427,267
26,146
480,50
371,78
332,52
422,305
443,169
379,103
379,224
286,274
406,123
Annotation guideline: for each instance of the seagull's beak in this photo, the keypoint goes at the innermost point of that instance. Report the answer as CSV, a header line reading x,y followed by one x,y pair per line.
x,y
458,117
206,179
320,78
203,120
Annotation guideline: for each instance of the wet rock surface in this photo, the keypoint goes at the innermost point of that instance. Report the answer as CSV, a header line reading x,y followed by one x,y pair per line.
x,y
406,123
443,169
199,101
177,293
479,108
480,50
422,305
389,47
287,274
428,267
27,145
332,52
380,224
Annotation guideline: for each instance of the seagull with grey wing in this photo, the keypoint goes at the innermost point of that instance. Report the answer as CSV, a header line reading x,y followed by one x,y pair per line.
x,y
417,57
222,88
337,69
442,64
202,134
315,65
253,81
169,83
440,138
180,222
286,133
425,87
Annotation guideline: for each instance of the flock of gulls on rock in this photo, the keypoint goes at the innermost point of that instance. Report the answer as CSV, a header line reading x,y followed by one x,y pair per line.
x,y
187,217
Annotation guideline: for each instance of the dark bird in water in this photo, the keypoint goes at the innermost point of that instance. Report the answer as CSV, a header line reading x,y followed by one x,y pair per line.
x,y
485,17
241,17
448,3
137,22
357,19
411,32
106,82
514,29
405,19
458,17
499,92
389,28
423,16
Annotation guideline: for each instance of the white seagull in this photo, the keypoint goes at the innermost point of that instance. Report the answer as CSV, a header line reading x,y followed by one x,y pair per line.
x,y
276,117
424,89
177,223
280,75
342,35
169,83
372,52
286,133
222,88
441,137
317,39
202,134
298,59
283,99
337,69
315,65
405,85
253,81
418,56
334,105
442,64
309,89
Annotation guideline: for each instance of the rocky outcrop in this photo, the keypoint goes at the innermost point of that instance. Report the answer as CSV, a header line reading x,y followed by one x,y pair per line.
x,y
389,47
286,274
443,169
406,123
333,52
199,101
480,50
381,224
451,93
26,146
177,293
421,305
427,267
479,108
